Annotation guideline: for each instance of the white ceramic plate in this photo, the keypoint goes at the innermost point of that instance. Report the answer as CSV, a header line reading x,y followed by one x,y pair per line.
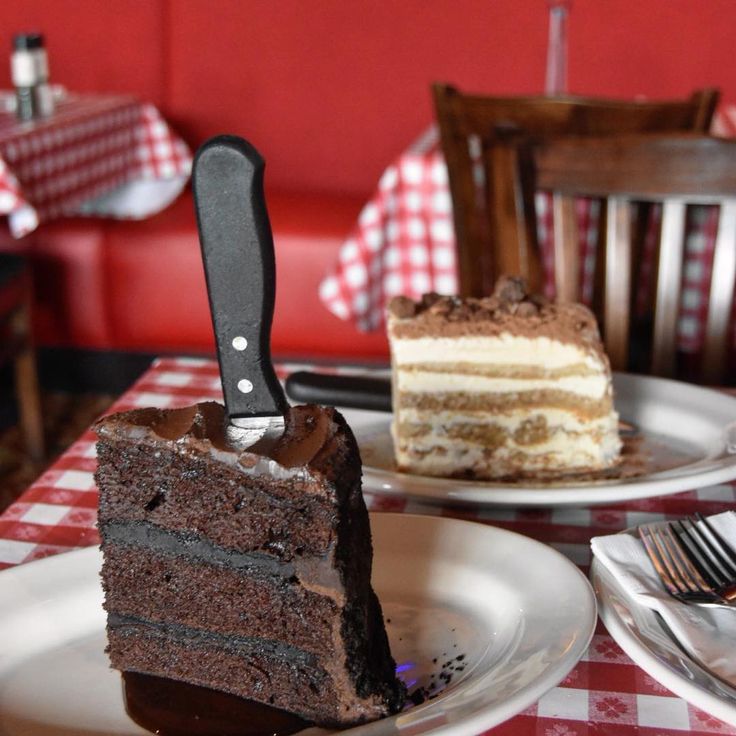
x,y
642,634
449,588
691,424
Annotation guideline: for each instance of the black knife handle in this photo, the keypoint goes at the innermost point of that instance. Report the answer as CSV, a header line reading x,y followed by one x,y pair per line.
x,y
356,392
237,250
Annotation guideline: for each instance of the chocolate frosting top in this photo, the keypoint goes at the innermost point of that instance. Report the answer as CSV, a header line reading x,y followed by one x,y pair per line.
x,y
510,309
309,434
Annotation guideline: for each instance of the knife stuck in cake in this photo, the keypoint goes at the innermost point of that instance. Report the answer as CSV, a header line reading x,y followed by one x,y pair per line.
x,y
236,542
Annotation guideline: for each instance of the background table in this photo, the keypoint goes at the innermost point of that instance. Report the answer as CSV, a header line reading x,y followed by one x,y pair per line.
x,y
96,155
404,243
606,693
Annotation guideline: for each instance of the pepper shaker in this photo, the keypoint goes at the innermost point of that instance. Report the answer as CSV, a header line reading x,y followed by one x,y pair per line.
x,y
44,96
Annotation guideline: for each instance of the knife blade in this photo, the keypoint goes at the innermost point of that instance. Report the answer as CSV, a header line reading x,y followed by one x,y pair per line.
x,y
240,270
355,392
365,392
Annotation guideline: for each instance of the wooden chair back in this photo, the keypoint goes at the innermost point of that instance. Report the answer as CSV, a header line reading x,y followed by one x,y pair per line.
x,y
479,137
672,170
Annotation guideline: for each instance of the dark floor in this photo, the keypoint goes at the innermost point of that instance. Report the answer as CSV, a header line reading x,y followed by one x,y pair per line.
x,y
78,386
66,416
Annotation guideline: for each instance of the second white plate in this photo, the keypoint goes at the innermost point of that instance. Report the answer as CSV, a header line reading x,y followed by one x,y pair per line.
x,y
641,633
465,602
688,422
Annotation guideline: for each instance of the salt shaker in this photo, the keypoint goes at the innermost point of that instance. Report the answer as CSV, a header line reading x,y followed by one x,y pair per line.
x,y
24,73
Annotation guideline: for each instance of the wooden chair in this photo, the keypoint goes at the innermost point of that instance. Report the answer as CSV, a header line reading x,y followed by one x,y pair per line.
x,y
16,345
626,170
480,132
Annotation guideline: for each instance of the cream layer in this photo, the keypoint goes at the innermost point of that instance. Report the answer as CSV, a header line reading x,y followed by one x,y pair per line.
x,y
576,449
590,387
501,370
504,349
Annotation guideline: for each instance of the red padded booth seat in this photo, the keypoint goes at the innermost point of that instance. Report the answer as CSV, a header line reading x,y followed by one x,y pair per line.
x,y
139,285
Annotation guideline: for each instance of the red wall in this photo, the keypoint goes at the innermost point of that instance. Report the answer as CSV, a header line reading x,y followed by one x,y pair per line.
x,y
331,90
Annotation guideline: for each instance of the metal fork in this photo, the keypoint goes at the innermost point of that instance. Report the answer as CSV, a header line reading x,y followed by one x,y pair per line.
x,y
693,561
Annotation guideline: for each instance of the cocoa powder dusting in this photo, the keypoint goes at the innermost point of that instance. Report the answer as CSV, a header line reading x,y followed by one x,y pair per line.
x,y
510,309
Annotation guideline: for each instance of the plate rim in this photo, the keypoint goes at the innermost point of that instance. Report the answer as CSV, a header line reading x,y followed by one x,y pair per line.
x,y
604,584
478,493
481,719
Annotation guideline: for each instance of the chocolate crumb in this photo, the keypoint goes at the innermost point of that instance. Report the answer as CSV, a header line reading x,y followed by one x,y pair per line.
x,y
402,307
527,309
418,696
438,680
510,289
430,299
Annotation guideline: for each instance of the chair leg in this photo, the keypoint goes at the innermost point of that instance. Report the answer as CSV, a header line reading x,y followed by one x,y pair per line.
x,y
27,391
29,401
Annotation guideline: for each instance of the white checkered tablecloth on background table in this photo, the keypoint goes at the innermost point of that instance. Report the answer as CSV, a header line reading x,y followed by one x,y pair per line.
x,y
606,693
404,243
96,155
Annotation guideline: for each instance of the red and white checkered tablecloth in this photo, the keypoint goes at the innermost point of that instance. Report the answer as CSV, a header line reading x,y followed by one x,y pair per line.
x,y
606,693
404,243
96,155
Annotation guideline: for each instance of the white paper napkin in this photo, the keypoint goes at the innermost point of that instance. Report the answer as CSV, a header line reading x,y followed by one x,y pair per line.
x,y
706,634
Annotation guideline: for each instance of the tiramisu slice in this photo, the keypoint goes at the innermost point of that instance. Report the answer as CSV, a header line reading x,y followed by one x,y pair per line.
x,y
507,386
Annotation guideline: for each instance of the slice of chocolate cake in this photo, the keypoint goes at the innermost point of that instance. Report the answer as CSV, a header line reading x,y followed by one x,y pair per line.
x,y
246,571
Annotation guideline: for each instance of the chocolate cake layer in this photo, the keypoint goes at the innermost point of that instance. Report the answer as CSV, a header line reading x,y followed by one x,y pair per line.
x,y
166,589
241,666
154,486
241,570
320,689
